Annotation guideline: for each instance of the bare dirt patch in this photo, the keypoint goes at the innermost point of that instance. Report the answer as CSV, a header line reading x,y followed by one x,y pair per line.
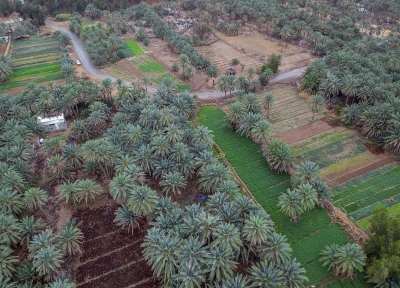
x,y
256,45
306,131
111,256
374,149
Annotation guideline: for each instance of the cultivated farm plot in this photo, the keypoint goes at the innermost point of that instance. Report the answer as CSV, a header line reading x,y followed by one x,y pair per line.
x,y
256,45
155,71
359,196
111,256
308,236
289,110
134,47
221,54
35,61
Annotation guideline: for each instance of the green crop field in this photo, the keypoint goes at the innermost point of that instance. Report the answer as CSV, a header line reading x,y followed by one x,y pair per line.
x,y
134,47
155,71
359,196
308,236
35,61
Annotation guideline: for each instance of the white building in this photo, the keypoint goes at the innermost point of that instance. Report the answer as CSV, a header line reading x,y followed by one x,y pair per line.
x,y
53,123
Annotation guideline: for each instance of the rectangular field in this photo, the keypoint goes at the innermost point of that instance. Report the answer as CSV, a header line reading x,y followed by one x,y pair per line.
x,y
134,47
359,196
289,110
35,61
308,236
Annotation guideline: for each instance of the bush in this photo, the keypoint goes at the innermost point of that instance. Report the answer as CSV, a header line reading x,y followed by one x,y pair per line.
x,y
63,17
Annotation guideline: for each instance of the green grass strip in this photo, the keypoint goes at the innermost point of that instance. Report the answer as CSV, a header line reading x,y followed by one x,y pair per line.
x,y
134,47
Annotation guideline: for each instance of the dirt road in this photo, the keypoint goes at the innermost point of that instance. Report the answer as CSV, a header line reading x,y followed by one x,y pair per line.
x,y
93,70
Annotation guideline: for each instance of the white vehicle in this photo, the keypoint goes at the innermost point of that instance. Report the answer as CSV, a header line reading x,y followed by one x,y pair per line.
x,y
78,62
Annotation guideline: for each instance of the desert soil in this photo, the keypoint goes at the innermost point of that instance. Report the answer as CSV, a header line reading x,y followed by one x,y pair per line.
x,y
256,45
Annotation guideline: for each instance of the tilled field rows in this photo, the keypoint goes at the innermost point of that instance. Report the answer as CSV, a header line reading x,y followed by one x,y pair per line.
x,y
221,55
111,256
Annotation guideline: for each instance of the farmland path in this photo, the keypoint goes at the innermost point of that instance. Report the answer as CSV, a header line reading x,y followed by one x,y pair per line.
x,y
93,70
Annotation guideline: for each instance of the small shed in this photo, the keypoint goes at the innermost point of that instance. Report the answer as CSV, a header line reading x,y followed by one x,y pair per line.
x,y
231,71
53,123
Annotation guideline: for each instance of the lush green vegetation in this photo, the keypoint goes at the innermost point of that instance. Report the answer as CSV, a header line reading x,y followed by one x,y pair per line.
x,y
359,197
134,47
312,233
44,69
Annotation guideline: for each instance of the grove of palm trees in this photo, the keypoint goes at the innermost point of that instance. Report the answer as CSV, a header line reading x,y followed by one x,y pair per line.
x,y
156,188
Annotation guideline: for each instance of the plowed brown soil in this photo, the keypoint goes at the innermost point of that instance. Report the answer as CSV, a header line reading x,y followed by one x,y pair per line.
x,y
111,256
306,131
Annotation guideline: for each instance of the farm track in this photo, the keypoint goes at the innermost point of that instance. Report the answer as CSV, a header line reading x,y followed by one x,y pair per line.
x,y
93,70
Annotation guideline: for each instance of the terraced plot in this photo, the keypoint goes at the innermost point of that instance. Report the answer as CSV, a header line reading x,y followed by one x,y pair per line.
x,y
35,61
359,196
307,237
134,47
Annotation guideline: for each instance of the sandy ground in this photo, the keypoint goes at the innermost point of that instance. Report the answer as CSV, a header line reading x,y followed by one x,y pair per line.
x,y
256,45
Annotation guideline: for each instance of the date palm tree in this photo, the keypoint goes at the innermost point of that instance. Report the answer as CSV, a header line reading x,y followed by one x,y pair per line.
x,y
261,131
279,156
6,65
268,102
72,156
220,264
308,196
87,190
228,187
237,281
190,276
54,146
10,202
227,236
290,205
306,172
329,257
62,283
35,198
256,229
275,249
57,170
161,256
80,131
6,282
47,261
29,227
68,191
237,111
316,105
106,89
124,217
212,175
7,261
9,229
121,186
142,200
350,257
293,274
173,182
70,238
266,274
248,123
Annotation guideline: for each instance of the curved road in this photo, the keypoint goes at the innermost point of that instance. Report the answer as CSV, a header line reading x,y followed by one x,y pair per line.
x,y
96,72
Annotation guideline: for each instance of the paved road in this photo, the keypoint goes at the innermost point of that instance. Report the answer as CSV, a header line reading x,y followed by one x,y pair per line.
x,y
93,70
